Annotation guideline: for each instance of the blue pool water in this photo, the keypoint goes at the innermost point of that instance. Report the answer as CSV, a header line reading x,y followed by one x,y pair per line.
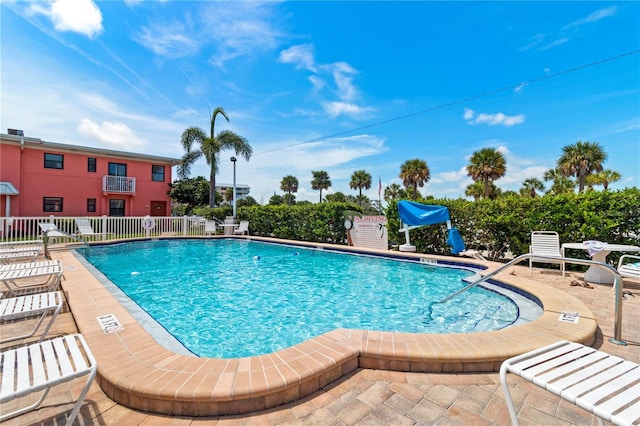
x,y
227,298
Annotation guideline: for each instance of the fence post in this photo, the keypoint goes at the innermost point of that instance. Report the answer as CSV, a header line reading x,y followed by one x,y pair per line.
x,y
103,226
185,225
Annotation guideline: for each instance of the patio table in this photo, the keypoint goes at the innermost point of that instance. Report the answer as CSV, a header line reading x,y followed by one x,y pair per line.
x,y
228,228
596,274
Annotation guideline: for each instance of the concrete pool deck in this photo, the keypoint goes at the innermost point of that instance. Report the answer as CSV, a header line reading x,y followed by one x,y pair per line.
x,y
136,372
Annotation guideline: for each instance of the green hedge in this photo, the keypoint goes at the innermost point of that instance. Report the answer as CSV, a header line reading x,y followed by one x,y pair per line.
x,y
506,223
322,222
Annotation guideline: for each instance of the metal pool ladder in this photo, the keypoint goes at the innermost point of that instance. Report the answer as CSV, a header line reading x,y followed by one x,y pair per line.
x,y
617,284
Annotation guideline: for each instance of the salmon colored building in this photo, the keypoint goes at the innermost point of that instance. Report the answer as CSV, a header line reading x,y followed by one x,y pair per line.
x,y
39,178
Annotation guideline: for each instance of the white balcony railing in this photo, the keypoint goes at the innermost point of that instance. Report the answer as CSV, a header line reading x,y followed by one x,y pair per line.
x,y
119,184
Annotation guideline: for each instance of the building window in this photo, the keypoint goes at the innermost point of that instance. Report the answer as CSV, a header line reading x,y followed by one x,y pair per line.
x,y
91,165
53,161
117,169
157,173
116,208
52,204
91,205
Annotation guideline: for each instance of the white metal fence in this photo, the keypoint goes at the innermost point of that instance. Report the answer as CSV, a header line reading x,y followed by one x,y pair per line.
x,y
104,227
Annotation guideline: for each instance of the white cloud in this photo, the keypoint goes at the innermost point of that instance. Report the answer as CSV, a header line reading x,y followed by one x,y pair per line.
x,y
80,16
169,40
342,74
593,17
231,30
240,28
334,109
492,119
343,77
452,176
555,43
301,56
562,36
468,114
113,134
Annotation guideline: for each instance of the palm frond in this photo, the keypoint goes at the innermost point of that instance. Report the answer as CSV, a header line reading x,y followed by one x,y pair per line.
x,y
230,140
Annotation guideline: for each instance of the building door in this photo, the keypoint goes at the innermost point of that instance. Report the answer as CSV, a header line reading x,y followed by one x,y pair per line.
x,y
158,208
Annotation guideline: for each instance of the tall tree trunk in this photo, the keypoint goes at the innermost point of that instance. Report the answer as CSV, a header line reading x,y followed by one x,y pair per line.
x,y
212,188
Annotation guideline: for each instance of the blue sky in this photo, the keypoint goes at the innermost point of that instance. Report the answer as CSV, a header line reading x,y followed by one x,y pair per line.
x,y
334,86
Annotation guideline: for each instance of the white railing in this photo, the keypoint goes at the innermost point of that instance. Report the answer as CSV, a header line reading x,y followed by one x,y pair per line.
x,y
121,184
104,227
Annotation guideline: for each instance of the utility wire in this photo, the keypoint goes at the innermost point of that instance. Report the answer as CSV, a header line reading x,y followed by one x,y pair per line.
x,y
456,102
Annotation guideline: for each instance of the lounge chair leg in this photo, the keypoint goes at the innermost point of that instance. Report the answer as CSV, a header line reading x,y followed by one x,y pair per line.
x,y
507,397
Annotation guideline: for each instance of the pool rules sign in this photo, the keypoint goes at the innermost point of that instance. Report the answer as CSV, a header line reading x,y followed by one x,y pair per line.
x,y
369,232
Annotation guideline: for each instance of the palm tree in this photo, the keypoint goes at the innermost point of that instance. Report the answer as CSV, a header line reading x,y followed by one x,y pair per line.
x,y
603,178
197,144
414,173
530,186
561,183
487,165
475,190
336,197
228,195
320,181
580,160
289,184
394,192
360,179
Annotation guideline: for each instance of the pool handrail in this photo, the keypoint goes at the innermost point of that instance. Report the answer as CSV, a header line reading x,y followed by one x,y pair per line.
x,y
80,240
618,285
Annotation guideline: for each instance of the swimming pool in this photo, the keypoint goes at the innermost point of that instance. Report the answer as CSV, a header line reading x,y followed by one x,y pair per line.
x,y
227,298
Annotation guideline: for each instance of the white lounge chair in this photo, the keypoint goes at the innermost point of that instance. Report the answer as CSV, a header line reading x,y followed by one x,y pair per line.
x,y
593,380
631,269
210,227
243,228
51,230
36,244
475,254
21,277
546,243
85,228
40,366
21,254
14,308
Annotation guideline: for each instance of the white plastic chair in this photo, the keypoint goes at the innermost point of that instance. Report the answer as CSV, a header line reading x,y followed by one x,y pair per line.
x,y
546,243
242,228
629,270
210,227
40,366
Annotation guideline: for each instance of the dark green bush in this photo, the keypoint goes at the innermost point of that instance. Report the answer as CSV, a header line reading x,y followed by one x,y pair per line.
x,y
506,223
313,222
